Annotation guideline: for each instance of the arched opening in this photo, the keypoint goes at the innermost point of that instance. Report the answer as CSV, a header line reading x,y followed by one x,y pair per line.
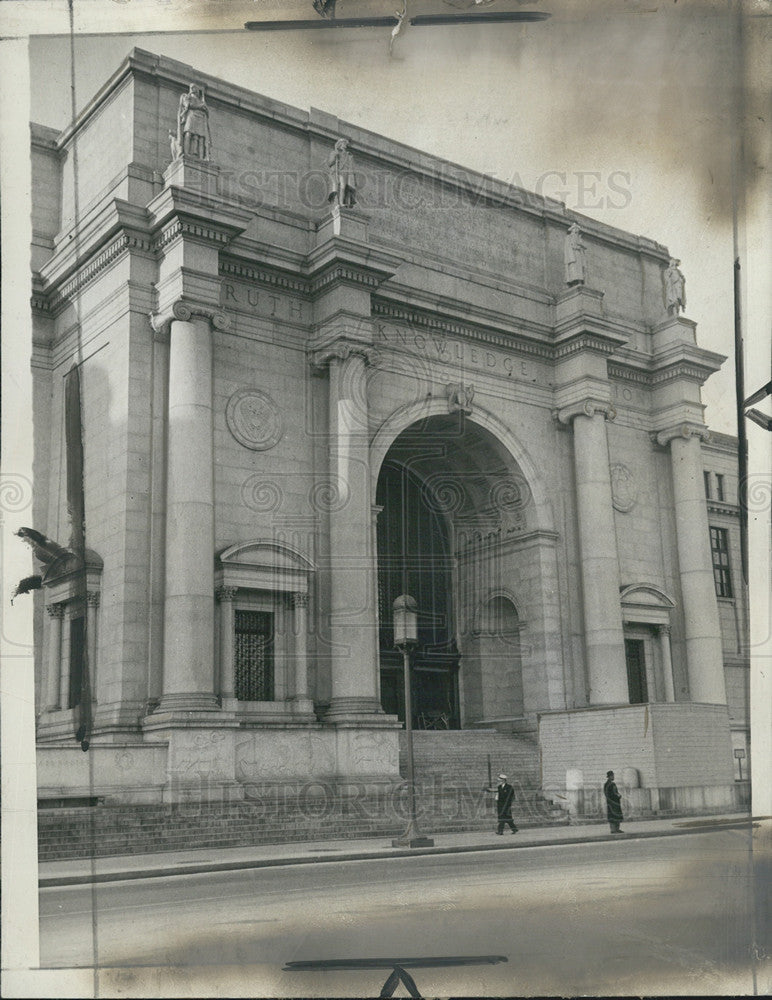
x,y
452,501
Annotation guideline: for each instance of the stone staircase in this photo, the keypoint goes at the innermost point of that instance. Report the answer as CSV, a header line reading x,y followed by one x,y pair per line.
x,y
451,771
461,756
451,774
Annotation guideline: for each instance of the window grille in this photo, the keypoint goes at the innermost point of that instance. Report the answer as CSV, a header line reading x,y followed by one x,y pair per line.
x,y
719,547
254,655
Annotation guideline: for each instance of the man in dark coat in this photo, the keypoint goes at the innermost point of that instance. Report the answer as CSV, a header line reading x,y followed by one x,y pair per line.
x,y
505,794
613,803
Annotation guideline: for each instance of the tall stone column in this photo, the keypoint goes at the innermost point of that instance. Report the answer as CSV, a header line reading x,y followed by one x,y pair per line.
x,y
604,638
188,671
54,678
92,612
702,631
663,631
352,589
225,596
300,632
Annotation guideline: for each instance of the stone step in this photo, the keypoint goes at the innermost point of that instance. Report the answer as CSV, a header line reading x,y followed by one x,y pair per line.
x,y
103,831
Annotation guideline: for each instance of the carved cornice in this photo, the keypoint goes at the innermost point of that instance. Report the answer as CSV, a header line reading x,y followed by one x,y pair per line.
x,y
584,408
585,342
722,508
185,310
413,317
348,273
265,276
50,300
682,370
684,430
628,374
180,227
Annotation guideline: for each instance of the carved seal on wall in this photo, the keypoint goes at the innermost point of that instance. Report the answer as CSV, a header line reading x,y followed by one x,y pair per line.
x,y
624,489
253,419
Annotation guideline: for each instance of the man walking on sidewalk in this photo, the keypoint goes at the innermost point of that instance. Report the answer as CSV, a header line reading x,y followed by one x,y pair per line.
x,y
505,793
613,803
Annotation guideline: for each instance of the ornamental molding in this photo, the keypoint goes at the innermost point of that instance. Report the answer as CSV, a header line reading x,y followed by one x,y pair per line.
x,y
180,228
681,370
296,284
448,326
185,310
58,295
722,508
254,420
624,488
585,342
347,273
628,374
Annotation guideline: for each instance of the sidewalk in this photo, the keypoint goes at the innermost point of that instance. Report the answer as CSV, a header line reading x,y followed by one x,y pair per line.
x,y
197,861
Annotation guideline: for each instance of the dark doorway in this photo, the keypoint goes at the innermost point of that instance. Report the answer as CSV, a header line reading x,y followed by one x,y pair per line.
x,y
414,557
636,671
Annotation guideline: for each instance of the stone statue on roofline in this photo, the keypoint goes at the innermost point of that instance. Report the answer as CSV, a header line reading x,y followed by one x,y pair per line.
x,y
342,188
675,288
193,136
574,256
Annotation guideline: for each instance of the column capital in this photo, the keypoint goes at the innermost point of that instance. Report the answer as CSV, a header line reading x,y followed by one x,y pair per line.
x,y
685,430
299,599
342,350
186,310
584,408
663,629
225,593
55,610
92,598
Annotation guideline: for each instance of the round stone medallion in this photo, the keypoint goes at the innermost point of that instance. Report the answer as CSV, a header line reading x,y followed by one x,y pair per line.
x,y
624,490
253,419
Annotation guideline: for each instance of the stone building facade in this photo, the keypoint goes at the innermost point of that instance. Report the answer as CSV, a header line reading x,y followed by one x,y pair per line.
x,y
295,409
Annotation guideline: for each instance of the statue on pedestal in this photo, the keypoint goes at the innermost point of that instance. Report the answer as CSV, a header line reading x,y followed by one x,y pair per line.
x,y
342,190
193,136
675,288
574,256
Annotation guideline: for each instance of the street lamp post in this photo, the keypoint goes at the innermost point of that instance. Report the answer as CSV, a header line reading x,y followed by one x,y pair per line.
x,y
406,639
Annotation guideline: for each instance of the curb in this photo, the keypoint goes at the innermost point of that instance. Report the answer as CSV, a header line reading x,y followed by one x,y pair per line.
x,y
48,882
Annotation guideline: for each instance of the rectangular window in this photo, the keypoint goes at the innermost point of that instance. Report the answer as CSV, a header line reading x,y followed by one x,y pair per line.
x,y
636,671
254,655
706,477
719,547
77,656
720,487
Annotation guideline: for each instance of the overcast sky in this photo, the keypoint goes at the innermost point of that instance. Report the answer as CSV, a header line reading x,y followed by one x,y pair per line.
x,y
621,108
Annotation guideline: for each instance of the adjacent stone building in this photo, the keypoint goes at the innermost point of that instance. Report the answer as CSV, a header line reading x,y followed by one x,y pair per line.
x,y
315,377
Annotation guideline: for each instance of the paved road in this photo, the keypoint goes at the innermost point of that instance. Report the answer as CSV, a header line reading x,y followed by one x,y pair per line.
x,y
661,917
